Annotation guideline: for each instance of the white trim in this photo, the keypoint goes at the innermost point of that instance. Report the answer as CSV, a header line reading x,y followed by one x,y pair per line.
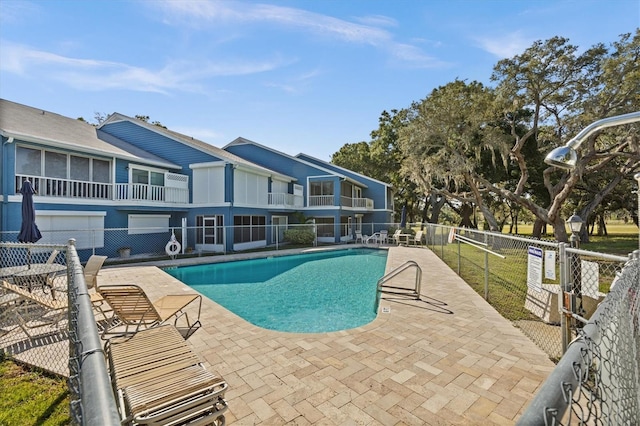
x,y
69,213
208,165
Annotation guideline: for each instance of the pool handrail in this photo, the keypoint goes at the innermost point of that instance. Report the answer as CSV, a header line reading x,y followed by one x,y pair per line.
x,y
406,265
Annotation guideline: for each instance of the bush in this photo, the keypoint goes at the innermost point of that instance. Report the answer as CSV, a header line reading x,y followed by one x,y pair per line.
x,y
299,236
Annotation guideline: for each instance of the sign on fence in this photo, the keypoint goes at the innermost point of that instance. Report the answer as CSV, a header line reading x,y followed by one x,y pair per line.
x,y
550,264
534,269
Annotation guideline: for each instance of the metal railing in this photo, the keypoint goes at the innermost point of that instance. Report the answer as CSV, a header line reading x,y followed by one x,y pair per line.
x,y
404,291
92,399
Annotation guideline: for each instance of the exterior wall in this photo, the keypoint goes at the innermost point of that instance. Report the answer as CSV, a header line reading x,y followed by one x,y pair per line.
x,y
305,173
375,190
279,163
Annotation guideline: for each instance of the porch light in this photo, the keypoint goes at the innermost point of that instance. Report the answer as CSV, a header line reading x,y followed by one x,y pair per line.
x,y
575,225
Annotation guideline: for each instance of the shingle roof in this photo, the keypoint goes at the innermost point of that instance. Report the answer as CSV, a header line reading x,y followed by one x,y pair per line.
x,y
194,143
36,125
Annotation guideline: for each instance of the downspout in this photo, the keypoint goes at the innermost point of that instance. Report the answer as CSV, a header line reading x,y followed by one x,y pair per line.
x,y
5,186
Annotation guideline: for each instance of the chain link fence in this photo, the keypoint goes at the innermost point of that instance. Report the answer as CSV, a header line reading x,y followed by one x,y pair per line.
x,y
597,381
33,305
498,266
584,313
47,321
139,244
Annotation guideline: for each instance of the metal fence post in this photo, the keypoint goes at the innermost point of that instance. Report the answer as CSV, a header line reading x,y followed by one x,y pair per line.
x,y
458,257
486,269
565,286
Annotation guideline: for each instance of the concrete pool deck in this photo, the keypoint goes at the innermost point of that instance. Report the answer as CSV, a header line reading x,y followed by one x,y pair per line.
x,y
447,359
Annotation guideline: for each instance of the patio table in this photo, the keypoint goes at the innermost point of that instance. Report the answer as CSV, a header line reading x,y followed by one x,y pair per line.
x,y
37,274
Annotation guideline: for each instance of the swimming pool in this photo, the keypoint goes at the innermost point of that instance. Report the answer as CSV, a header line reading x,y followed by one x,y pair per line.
x,y
306,293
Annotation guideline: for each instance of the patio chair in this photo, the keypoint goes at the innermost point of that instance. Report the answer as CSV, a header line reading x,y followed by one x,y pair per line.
x,y
90,271
359,237
52,256
396,236
135,311
31,310
417,239
384,236
158,379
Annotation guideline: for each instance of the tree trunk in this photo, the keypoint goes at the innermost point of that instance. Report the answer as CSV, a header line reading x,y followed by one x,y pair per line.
x,y
559,231
466,211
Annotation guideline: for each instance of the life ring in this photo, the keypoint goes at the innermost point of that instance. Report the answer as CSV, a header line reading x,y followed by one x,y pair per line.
x,y
172,248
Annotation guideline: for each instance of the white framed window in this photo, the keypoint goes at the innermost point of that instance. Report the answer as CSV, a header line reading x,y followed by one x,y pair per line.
x,y
148,223
86,227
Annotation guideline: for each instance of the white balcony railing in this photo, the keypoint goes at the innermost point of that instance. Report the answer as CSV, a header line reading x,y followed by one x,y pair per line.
x,y
54,187
286,200
144,192
358,203
321,200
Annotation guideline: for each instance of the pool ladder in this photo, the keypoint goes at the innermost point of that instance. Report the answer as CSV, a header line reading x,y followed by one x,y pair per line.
x,y
415,292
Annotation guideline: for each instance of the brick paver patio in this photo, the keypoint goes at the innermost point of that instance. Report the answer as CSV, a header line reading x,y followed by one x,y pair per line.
x,y
447,359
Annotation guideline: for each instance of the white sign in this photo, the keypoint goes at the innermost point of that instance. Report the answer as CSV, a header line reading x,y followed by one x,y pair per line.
x,y
534,269
550,264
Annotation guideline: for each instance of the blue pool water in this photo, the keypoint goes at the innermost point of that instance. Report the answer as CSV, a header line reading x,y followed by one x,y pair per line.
x,y
306,293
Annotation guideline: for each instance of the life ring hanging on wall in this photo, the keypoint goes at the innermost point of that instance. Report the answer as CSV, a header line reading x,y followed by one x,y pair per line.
x,y
173,246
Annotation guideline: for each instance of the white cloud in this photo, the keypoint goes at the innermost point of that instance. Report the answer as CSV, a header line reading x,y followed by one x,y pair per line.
x,y
505,45
368,31
92,74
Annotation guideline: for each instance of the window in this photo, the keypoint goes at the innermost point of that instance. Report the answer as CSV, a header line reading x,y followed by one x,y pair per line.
x,y
325,226
249,228
79,169
148,223
210,229
28,161
321,188
147,177
55,165
87,227
101,171
61,174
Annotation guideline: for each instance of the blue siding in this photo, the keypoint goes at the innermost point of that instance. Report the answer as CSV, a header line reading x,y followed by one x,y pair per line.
x,y
157,144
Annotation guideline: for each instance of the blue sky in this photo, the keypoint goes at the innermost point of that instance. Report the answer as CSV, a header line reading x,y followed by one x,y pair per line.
x,y
299,76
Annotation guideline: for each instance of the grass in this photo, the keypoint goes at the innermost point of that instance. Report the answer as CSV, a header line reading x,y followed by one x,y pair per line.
x,y
29,397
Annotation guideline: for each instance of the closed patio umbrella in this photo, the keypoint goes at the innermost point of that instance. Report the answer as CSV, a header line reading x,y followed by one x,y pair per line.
x,y
403,217
29,232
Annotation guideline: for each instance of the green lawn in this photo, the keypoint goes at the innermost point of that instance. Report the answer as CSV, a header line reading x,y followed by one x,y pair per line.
x,y
28,397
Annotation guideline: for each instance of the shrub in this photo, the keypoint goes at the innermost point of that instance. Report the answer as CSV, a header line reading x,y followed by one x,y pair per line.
x,y
299,236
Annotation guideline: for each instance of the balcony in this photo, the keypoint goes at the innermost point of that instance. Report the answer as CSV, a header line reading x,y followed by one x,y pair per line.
x,y
285,200
321,200
357,203
154,193
67,188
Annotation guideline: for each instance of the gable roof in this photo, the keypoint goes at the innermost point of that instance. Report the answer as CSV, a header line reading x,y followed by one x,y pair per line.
x,y
243,141
195,144
332,166
36,125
